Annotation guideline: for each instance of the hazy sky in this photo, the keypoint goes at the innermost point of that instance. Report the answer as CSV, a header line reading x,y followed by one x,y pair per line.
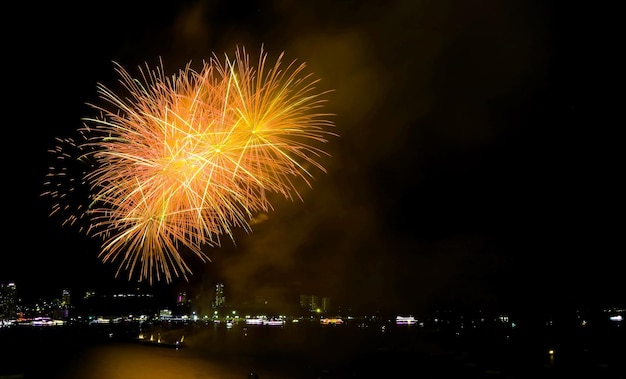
x,y
471,164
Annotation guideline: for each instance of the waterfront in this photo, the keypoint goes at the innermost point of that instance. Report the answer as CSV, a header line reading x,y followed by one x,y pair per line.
x,y
309,350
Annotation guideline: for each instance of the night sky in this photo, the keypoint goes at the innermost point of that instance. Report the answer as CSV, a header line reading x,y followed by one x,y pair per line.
x,y
476,163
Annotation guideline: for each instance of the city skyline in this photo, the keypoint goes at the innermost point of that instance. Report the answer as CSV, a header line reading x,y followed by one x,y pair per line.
x,y
182,307
72,304
474,164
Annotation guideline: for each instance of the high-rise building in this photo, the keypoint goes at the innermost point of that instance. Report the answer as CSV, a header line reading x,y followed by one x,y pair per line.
x,y
219,299
65,298
183,304
8,301
312,304
62,310
325,306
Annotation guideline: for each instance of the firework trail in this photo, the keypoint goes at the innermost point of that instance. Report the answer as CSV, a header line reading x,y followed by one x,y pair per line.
x,y
181,160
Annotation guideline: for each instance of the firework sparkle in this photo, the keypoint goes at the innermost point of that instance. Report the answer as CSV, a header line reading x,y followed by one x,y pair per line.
x,y
180,161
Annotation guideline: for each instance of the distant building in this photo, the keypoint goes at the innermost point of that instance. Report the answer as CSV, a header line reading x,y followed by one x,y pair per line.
x,y
8,301
165,314
219,301
183,304
325,304
312,303
65,299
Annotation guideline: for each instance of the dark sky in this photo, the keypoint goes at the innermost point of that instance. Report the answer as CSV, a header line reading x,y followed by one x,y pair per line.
x,y
477,161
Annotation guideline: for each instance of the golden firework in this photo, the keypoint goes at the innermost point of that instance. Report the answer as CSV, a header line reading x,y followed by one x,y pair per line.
x,y
181,160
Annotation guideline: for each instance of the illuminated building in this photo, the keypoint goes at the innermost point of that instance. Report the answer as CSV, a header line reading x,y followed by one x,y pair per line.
x,y
309,302
219,299
313,304
65,298
8,301
325,304
183,304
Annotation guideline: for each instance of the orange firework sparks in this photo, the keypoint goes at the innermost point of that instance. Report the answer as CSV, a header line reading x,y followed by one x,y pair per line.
x,y
183,159
63,183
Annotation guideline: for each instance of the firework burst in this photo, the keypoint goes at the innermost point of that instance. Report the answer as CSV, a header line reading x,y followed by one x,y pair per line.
x,y
181,160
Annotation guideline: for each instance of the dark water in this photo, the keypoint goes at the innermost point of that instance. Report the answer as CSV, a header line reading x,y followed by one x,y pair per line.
x,y
305,351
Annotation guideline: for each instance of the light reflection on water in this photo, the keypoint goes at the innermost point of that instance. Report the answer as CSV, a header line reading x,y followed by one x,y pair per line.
x,y
304,352
209,352
133,361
